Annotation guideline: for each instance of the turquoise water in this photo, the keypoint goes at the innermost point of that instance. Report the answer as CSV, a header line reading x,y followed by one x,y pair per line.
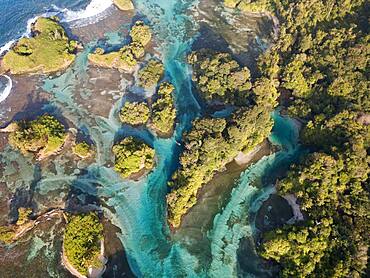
x,y
139,208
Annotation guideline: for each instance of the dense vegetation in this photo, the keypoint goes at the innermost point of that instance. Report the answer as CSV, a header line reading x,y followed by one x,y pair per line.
x,y
150,75
248,5
132,156
220,78
212,143
163,109
82,149
127,57
209,146
321,62
82,241
140,33
43,135
134,113
49,50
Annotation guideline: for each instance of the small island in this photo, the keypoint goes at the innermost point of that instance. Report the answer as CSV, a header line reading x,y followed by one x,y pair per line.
x,y
83,251
133,158
42,137
82,150
48,50
219,78
124,5
134,113
125,59
150,74
164,111
248,5
209,146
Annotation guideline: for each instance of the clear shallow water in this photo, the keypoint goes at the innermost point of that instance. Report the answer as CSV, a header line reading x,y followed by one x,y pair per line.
x,y
138,208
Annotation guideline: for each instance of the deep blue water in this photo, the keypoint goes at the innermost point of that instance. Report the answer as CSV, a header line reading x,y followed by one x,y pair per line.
x,y
14,14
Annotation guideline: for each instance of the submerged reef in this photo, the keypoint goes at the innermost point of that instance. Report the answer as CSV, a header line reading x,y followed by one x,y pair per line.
x,y
48,50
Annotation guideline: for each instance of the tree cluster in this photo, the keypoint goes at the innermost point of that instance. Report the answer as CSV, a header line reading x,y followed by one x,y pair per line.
x,y
128,56
132,156
209,146
150,74
82,238
48,50
44,134
220,78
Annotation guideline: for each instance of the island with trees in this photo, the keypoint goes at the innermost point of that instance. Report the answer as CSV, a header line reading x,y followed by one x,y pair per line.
x,y
82,244
209,146
125,59
82,150
150,74
219,78
163,110
48,50
214,142
133,158
159,116
41,137
135,113
124,5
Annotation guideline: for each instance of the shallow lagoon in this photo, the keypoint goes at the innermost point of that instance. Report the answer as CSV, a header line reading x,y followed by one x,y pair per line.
x,y
89,99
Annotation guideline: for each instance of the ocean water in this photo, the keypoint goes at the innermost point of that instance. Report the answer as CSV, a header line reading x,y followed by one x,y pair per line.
x,y
16,13
139,208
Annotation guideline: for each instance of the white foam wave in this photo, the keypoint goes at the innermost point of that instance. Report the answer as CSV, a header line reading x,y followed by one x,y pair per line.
x,y
93,12
94,9
6,92
6,47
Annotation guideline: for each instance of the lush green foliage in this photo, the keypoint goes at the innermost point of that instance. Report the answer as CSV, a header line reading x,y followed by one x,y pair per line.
x,y
82,240
7,234
163,109
209,146
45,134
220,78
49,50
134,113
82,149
333,190
132,156
150,75
321,61
248,5
127,57
23,215
141,33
